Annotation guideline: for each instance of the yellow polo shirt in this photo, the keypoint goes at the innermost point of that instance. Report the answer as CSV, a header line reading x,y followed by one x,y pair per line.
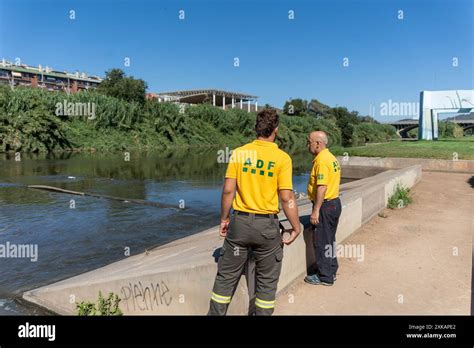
x,y
261,169
326,171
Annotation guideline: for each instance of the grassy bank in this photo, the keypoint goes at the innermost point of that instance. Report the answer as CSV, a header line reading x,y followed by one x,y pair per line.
x,y
441,149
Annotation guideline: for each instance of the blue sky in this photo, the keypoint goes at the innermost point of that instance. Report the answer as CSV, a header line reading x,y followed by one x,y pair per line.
x,y
279,58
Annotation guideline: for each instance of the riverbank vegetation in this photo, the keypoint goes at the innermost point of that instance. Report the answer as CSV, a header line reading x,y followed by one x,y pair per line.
x,y
400,198
118,117
29,122
105,306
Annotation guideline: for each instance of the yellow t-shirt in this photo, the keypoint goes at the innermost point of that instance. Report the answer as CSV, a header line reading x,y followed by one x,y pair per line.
x,y
326,171
261,169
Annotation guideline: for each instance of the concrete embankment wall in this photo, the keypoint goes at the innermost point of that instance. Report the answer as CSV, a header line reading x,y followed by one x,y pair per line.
x,y
177,278
438,165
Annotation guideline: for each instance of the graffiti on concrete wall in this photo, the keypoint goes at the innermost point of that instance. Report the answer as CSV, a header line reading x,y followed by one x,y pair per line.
x,y
136,296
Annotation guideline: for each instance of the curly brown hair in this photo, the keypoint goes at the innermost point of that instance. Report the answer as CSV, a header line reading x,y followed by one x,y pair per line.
x,y
267,121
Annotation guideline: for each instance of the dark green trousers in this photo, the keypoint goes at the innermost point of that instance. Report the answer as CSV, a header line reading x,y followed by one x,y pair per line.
x,y
260,235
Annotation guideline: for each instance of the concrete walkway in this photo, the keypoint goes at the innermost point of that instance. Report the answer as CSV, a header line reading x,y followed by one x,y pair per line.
x,y
417,260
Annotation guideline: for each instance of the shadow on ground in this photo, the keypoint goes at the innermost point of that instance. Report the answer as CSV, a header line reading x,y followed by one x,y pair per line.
x,y
471,181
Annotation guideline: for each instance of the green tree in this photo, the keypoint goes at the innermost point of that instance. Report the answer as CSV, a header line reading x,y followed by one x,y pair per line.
x,y
117,84
368,119
316,108
295,107
345,121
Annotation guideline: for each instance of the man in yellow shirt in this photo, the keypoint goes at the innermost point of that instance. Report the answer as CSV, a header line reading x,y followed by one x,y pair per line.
x,y
323,191
257,175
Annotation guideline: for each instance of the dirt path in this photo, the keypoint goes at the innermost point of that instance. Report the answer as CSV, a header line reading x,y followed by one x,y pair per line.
x,y
417,260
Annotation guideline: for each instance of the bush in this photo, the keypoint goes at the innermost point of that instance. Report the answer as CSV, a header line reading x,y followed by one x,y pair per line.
x,y
294,130
104,307
400,197
372,133
26,124
449,130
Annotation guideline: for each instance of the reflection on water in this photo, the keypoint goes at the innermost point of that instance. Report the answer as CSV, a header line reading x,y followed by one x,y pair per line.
x,y
96,232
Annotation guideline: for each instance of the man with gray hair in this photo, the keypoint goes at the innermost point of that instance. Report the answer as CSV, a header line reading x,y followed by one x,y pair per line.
x,y
323,191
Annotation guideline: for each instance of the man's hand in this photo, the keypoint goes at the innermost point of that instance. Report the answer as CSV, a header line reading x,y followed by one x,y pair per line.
x,y
314,218
224,228
228,192
290,208
293,235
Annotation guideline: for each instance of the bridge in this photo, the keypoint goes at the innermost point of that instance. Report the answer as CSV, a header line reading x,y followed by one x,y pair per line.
x,y
404,126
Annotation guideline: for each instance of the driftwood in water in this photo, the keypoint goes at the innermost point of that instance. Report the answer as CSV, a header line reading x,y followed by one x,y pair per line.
x,y
57,189
137,201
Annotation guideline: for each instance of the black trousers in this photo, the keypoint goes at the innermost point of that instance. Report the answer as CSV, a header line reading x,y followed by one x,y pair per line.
x,y
324,237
